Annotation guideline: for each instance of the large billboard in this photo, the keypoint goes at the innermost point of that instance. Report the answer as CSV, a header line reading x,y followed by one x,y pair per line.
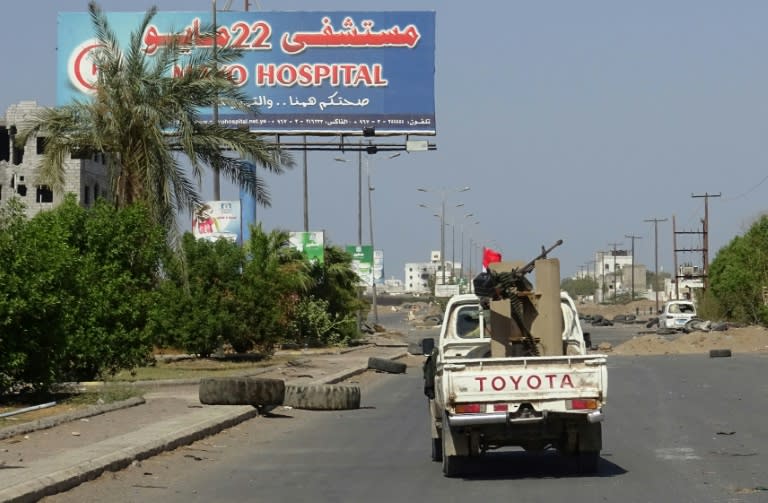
x,y
305,72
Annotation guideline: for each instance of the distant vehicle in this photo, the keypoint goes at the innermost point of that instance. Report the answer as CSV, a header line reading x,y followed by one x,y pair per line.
x,y
676,313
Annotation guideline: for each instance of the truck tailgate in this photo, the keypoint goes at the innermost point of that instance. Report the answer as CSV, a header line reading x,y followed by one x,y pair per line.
x,y
526,379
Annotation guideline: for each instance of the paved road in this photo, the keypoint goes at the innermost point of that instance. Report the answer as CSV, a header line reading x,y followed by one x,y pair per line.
x,y
678,429
616,334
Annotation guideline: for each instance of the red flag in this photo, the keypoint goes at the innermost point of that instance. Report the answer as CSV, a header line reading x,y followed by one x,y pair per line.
x,y
490,256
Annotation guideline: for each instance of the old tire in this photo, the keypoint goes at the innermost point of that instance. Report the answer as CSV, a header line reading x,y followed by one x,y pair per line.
x,y
322,396
254,391
415,348
384,365
719,353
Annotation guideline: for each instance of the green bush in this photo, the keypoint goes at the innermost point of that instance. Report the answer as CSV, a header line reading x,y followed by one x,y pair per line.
x,y
738,274
313,325
194,306
74,292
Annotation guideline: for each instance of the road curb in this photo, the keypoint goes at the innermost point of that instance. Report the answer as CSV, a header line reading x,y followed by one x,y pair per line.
x,y
63,480
50,422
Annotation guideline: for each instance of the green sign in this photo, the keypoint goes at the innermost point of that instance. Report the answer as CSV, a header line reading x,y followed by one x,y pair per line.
x,y
309,243
362,262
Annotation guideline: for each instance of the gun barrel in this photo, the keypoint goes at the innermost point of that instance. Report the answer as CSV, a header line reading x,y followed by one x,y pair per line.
x,y
527,268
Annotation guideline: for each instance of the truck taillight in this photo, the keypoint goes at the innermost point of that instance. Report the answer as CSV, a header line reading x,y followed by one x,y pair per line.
x,y
500,407
468,408
584,403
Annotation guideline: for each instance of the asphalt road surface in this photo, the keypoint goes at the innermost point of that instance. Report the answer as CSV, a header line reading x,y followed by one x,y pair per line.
x,y
678,429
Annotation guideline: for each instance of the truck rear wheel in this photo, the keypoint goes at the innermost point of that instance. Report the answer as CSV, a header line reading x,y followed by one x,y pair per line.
x,y
437,449
455,449
586,461
451,464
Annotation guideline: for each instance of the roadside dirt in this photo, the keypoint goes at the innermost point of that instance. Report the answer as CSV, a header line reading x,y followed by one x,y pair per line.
x,y
750,339
738,340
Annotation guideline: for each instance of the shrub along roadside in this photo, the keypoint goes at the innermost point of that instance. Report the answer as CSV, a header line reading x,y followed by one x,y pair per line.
x,y
74,292
85,293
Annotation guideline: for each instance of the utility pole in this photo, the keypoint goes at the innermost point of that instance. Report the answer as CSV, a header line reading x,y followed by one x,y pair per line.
x,y
602,275
614,269
630,236
705,251
656,256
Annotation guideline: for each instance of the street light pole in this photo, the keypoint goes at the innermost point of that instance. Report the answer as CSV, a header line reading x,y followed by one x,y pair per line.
x,y
470,266
442,239
374,298
373,250
444,193
359,218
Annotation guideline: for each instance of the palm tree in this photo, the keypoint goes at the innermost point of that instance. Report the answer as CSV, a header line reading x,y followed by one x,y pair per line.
x,y
140,116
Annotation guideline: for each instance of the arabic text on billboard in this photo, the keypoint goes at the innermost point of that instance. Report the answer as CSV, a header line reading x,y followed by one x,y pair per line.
x,y
304,72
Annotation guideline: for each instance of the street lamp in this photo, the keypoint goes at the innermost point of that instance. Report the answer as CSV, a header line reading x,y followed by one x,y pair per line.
x,y
371,188
444,194
360,220
461,272
359,216
359,194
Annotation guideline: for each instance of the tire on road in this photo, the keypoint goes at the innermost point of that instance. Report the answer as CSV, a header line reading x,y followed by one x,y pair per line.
x,y
415,348
256,391
322,396
719,353
385,365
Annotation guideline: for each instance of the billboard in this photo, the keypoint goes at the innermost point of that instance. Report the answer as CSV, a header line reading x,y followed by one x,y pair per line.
x,y
216,220
362,262
378,267
305,72
308,243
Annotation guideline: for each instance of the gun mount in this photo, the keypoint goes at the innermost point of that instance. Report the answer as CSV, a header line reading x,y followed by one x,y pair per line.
x,y
512,294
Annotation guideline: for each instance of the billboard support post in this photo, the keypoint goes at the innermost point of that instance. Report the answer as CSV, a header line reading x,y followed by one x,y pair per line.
x,y
216,169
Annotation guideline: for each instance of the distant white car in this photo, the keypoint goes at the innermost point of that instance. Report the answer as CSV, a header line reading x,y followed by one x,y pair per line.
x,y
676,313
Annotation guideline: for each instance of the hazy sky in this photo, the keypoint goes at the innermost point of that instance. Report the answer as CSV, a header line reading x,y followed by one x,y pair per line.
x,y
569,120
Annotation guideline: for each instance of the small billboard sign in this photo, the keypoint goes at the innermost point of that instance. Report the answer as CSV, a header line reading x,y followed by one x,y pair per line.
x,y
308,243
217,220
362,263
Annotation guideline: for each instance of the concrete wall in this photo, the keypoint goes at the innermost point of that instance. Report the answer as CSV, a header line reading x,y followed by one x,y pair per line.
x,y
83,177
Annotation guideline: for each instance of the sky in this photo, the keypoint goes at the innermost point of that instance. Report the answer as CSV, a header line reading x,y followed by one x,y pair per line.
x,y
578,121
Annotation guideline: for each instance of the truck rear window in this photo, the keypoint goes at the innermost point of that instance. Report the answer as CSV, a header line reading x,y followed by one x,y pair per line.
x,y
468,322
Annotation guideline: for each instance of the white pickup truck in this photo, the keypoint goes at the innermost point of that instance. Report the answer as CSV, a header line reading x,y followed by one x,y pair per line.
x,y
478,403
